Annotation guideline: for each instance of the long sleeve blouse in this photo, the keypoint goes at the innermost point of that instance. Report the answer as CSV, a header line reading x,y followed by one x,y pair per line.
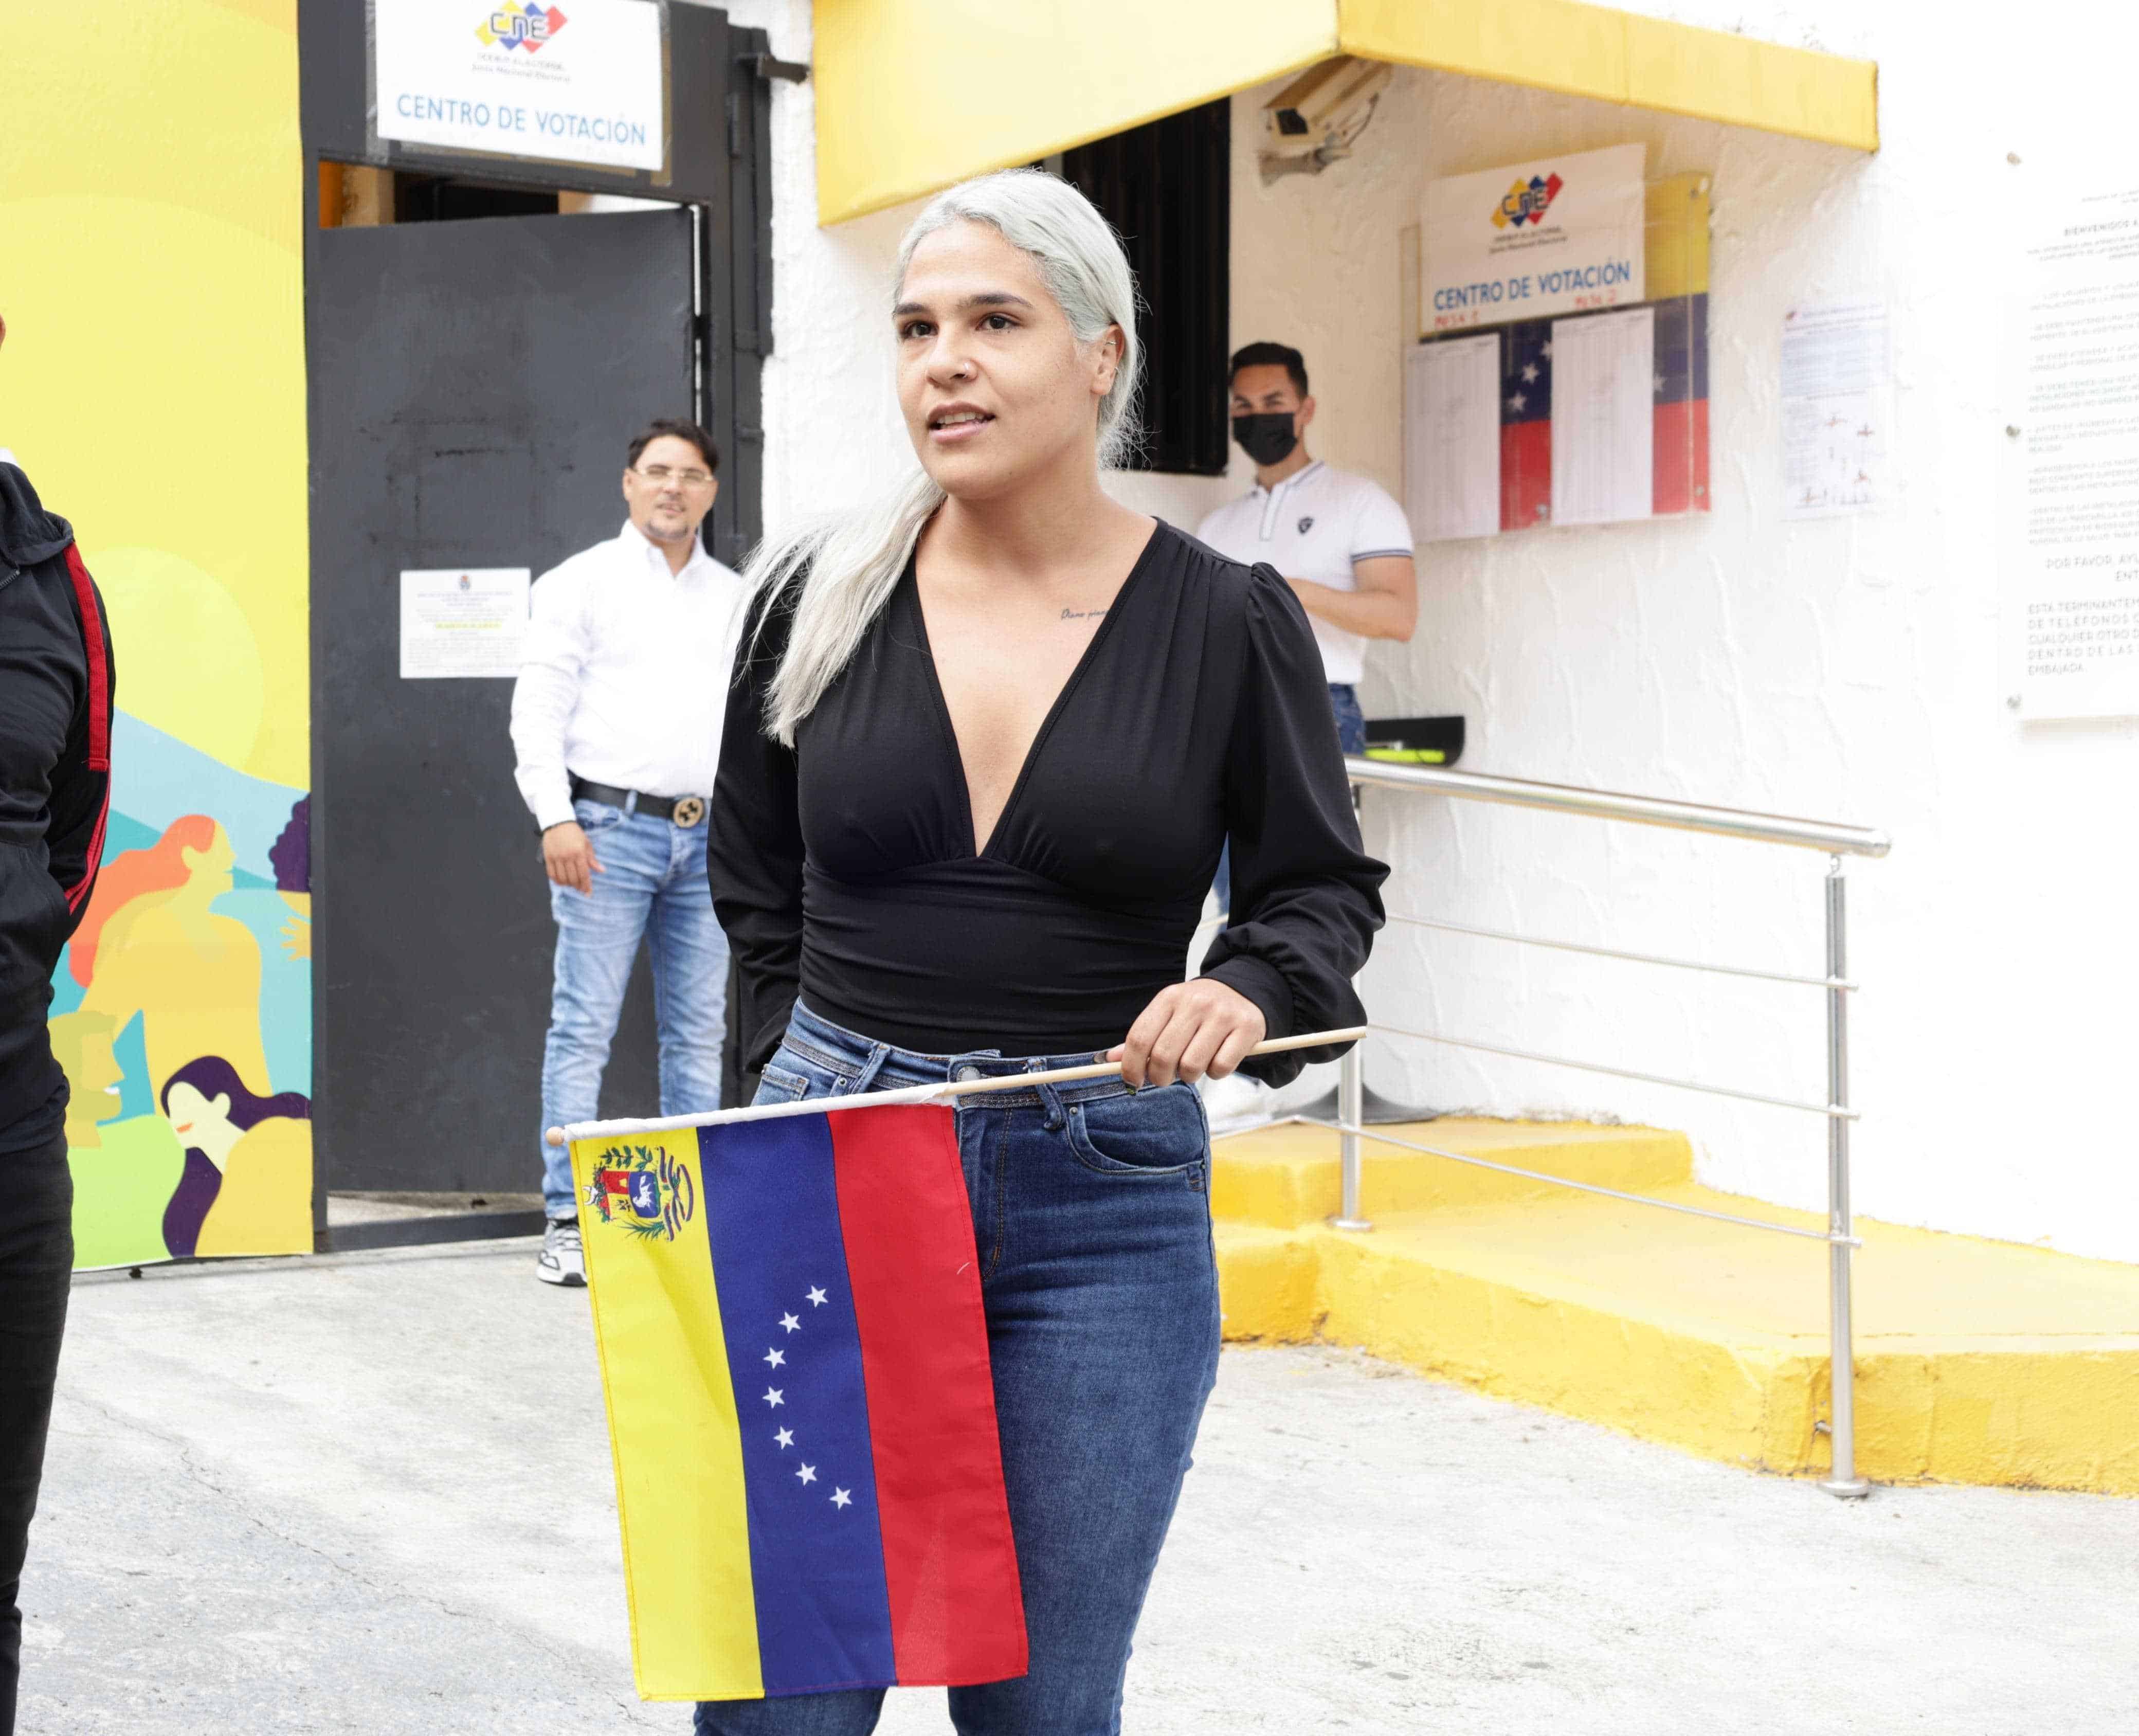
x,y
844,868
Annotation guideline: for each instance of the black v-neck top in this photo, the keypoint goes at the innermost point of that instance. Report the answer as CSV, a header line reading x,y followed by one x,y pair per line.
x,y
844,868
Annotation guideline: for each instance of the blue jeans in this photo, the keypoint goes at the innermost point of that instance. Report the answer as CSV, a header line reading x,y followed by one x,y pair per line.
x,y
653,884
1091,1214
1351,736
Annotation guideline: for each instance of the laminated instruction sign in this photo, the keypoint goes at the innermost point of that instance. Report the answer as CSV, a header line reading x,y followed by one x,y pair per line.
x,y
2068,541
1560,235
463,622
580,83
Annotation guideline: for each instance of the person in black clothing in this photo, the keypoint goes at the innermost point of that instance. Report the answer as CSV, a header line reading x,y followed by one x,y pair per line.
x,y
983,744
56,677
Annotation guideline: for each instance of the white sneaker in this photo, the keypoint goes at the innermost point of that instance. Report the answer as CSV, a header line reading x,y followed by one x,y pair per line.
x,y
562,1260
1237,1102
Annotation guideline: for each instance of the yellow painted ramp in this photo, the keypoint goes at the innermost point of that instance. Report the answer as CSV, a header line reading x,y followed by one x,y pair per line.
x,y
1977,1361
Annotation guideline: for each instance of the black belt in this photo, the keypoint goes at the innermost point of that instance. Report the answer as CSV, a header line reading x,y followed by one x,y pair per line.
x,y
682,810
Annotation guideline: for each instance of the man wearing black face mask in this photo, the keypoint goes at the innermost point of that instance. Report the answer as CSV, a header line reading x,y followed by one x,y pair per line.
x,y
1345,549
1338,540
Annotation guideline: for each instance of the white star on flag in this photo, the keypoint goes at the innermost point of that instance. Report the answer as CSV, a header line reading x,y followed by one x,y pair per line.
x,y
1529,373
841,1497
774,1358
808,1473
1516,403
1657,385
790,1323
785,1437
774,1396
816,1297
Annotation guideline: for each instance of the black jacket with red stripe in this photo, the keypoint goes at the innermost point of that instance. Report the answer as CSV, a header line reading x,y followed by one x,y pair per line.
x,y
55,685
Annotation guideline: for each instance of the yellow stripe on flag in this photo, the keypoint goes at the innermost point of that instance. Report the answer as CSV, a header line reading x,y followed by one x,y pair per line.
x,y
1677,225
672,1426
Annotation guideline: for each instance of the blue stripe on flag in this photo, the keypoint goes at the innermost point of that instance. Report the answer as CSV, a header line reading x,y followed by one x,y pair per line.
x,y
1682,348
1526,372
795,1357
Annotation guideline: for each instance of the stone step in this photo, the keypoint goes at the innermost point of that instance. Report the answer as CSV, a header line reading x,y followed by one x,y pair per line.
x,y
1285,1175
1977,1361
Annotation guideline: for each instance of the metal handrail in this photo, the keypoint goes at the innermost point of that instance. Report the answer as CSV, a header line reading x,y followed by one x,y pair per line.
x,y
1585,1187
1842,1111
1637,958
1646,810
1836,840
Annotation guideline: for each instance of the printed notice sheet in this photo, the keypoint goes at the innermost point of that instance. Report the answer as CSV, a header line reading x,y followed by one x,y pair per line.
x,y
2068,533
463,622
1452,438
1603,416
1837,403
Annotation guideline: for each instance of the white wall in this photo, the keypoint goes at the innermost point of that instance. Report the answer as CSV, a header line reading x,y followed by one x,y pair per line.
x,y
1844,669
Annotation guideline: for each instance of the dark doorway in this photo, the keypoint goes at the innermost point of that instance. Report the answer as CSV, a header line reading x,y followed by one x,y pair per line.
x,y
448,199
1167,188
473,385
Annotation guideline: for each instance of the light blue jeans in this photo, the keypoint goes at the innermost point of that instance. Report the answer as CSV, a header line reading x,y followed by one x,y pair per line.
x,y
1092,1219
653,885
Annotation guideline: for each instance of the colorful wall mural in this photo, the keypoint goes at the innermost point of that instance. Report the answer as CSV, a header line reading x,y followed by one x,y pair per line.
x,y
153,387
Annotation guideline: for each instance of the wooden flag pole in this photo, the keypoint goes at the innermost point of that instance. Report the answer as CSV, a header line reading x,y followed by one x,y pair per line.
x,y
911,1093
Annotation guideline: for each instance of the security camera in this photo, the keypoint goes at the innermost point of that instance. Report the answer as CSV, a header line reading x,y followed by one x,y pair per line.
x,y
1313,121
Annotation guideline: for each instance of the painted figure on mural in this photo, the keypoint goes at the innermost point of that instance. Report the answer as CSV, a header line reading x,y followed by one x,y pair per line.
x,y
172,983
246,1184
292,857
154,946
125,1163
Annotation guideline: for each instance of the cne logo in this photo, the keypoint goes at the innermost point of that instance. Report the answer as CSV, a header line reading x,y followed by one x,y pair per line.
x,y
644,1188
1527,202
526,26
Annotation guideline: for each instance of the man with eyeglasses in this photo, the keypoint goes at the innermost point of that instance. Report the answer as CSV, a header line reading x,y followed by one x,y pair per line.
x,y
616,725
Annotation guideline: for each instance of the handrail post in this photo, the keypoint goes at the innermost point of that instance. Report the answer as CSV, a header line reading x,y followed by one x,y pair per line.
x,y
1351,1105
1842,1480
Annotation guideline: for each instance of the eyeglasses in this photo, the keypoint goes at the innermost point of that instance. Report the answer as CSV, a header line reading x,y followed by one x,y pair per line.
x,y
660,476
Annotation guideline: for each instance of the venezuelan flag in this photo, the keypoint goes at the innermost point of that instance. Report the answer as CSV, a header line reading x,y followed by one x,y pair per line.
x,y
795,1361
1677,272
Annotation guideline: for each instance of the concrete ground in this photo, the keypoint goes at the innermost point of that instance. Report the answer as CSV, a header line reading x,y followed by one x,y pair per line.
x,y
371,1494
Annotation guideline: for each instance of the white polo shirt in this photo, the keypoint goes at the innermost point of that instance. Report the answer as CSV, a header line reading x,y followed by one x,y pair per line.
x,y
1313,525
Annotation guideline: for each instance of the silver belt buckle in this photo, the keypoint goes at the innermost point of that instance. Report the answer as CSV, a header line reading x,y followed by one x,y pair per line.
x,y
688,811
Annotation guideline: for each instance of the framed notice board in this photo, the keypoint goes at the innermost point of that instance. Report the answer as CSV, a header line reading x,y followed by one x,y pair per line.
x,y
1526,406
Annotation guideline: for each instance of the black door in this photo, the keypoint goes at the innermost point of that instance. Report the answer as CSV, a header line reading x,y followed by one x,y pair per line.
x,y
473,387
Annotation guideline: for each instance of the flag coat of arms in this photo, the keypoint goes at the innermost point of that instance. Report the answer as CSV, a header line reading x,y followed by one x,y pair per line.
x,y
795,1362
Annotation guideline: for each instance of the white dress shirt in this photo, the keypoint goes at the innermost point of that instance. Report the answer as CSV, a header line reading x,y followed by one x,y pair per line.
x,y
624,678
1314,525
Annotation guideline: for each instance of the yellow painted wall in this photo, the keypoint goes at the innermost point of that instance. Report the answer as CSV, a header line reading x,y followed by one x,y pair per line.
x,y
151,210
914,95
152,388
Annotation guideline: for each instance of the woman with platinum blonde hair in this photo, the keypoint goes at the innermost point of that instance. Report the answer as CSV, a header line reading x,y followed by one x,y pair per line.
x,y
984,741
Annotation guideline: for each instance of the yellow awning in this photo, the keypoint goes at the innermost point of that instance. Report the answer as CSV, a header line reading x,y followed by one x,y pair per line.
x,y
914,95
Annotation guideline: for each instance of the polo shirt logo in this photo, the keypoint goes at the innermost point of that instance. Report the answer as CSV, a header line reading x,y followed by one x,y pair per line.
x,y
1306,525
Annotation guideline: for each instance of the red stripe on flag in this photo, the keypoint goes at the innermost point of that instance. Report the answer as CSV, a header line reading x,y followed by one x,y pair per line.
x,y
950,1565
1525,475
1681,458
